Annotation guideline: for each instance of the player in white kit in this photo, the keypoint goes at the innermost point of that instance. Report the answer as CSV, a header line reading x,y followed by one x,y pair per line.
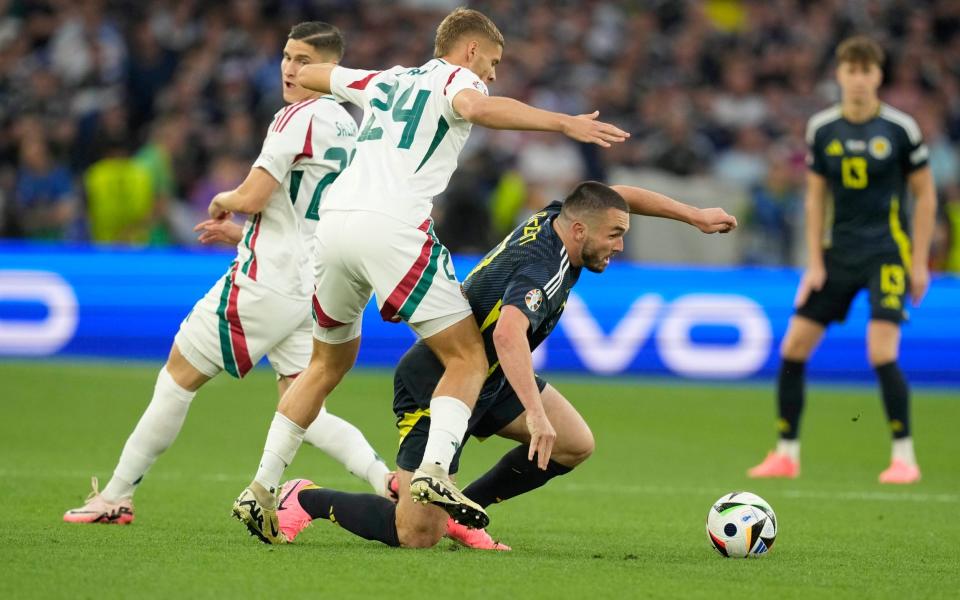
x,y
262,305
375,237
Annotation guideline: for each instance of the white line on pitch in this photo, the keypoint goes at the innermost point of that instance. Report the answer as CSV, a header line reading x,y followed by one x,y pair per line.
x,y
790,493
340,478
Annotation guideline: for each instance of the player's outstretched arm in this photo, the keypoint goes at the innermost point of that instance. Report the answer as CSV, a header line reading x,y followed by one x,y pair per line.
x,y
250,197
814,203
513,352
498,112
924,219
653,204
316,77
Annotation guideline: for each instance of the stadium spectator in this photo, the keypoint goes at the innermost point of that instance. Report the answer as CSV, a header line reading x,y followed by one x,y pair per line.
x,y
120,199
775,207
687,79
45,205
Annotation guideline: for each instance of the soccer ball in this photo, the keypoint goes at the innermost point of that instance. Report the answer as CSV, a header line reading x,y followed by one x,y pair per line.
x,y
741,524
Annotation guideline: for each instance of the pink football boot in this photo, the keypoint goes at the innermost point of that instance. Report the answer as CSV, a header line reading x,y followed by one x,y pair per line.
x,y
293,519
98,510
900,472
776,465
478,539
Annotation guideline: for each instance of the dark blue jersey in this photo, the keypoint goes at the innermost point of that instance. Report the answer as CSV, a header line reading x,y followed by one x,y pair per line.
x,y
529,270
866,167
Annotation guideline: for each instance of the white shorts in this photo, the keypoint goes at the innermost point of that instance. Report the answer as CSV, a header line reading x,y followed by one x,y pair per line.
x,y
360,253
239,321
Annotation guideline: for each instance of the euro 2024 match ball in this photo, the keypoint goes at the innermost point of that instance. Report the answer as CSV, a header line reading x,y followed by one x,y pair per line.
x,y
741,525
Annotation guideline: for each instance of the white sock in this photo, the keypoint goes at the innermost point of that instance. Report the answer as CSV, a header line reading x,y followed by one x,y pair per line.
x,y
448,424
283,441
343,442
789,447
903,450
154,433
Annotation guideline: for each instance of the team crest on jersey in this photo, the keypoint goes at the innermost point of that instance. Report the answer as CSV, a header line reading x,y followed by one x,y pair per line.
x,y
879,147
835,148
534,299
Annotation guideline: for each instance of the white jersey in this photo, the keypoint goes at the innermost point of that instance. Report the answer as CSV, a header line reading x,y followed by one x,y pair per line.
x,y
409,140
307,146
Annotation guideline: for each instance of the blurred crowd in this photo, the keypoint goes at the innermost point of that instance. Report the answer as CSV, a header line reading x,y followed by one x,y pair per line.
x,y
119,120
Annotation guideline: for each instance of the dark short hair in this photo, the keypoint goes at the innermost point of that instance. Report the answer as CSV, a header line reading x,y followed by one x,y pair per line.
x,y
860,50
591,197
324,37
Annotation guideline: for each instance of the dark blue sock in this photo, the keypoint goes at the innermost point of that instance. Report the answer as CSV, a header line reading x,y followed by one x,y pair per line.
x,y
790,397
896,398
512,476
370,516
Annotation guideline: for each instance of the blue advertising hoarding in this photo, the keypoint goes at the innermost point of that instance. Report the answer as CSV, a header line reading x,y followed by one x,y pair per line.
x,y
713,323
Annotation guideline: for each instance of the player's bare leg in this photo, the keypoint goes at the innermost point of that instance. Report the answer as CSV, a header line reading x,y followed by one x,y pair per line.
x,y
575,442
343,442
419,525
328,365
802,338
883,348
460,349
256,506
176,385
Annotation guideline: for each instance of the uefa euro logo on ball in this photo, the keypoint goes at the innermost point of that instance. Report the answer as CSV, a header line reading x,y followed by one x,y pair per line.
x,y
741,525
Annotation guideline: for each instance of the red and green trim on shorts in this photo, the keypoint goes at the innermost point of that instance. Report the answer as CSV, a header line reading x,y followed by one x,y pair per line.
x,y
409,293
250,241
233,342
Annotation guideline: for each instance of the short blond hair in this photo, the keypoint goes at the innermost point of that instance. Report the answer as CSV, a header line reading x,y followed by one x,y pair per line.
x,y
458,24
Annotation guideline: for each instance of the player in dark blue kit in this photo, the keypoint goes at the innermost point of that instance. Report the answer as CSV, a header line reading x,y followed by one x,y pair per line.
x,y
864,154
517,293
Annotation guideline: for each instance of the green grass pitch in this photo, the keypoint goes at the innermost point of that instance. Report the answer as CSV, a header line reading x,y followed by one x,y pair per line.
x,y
628,523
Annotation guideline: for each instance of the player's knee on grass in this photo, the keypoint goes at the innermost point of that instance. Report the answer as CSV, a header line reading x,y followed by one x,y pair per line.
x,y
419,538
419,526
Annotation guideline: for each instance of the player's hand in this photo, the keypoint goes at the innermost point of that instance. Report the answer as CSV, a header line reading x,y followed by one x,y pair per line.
x,y
813,279
586,128
542,438
919,283
715,220
213,231
216,209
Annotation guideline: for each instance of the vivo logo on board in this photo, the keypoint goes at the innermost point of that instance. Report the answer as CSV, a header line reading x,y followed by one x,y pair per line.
x,y
670,324
40,337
